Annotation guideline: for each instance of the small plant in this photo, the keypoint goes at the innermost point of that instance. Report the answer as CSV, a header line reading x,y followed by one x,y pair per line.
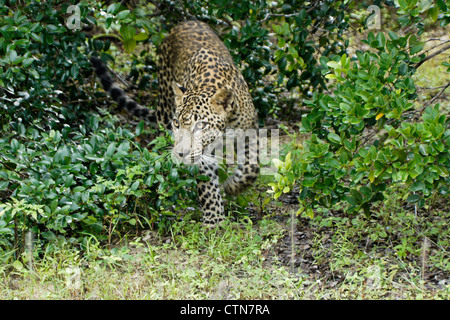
x,y
94,184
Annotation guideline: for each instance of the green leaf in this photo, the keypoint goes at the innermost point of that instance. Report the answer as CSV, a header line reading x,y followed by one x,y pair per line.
x,y
349,145
442,5
293,51
111,149
68,180
416,48
52,28
135,186
356,195
26,62
433,13
333,64
114,8
343,158
366,192
403,4
129,45
127,32
309,213
413,198
423,149
35,37
306,125
140,128
393,35
17,265
381,38
333,137
351,200
124,147
12,56
141,36
123,14
4,185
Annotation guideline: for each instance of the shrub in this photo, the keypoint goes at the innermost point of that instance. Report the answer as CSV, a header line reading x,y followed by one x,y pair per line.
x,y
275,44
64,169
91,184
368,134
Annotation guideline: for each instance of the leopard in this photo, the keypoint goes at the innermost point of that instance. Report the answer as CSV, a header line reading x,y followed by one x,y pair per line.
x,y
202,96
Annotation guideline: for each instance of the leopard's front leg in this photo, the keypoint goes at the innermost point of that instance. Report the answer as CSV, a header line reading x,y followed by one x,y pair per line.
x,y
209,195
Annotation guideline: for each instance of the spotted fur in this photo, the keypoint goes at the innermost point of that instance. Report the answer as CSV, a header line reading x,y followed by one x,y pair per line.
x,y
200,91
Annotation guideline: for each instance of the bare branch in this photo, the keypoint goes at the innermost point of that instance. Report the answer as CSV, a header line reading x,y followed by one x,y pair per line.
x,y
438,45
431,56
430,88
434,98
281,15
270,15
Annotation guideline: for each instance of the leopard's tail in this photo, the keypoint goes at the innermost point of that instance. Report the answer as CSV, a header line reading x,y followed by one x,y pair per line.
x,y
120,96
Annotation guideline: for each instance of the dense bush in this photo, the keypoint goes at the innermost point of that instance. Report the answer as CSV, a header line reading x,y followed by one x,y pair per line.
x,y
82,184
275,44
64,169
368,135
68,168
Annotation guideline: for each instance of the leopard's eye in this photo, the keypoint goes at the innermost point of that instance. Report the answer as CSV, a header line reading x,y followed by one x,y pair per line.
x,y
176,123
200,125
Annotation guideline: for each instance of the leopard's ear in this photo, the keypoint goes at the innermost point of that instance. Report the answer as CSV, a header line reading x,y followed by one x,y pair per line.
x,y
223,99
179,91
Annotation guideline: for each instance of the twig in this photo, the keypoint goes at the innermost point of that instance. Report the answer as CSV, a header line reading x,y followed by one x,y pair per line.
x,y
270,15
434,98
280,15
107,35
20,174
429,88
418,113
367,138
122,79
425,247
438,45
84,100
432,56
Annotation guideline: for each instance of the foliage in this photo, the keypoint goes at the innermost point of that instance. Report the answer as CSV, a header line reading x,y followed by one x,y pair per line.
x,y
273,43
368,135
94,184
67,168
63,168
36,79
412,12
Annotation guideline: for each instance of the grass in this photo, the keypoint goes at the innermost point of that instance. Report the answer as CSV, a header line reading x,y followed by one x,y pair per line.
x,y
393,255
390,256
194,264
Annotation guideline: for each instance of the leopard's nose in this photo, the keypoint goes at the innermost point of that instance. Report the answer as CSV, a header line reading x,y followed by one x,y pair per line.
x,y
181,153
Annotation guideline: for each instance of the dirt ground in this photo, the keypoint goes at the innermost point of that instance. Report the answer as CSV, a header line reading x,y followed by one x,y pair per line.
x,y
295,250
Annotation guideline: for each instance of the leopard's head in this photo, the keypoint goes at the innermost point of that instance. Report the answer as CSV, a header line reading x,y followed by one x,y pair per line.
x,y
199,122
